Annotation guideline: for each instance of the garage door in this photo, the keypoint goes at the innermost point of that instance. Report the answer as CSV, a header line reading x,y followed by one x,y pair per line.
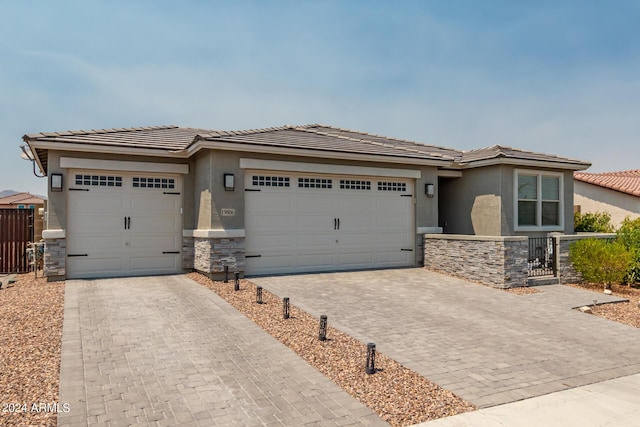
x,y
123,224
304,223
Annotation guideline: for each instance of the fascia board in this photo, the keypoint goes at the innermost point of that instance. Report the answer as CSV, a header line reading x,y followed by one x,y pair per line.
x,y
528,163
301,152
108,149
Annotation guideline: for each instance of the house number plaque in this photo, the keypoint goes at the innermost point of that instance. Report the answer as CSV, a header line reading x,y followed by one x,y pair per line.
x,y
228,212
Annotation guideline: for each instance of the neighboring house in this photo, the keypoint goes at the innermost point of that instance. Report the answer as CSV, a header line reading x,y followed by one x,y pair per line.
x,y
617,193
27,201
280,200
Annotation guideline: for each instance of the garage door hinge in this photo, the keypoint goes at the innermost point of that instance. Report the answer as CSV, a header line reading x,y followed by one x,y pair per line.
x,y
78,189
72,255
170,252
252,189
171,192
406,195
252,256
406,250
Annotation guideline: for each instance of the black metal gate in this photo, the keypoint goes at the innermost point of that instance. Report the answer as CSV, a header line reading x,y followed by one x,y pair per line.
x,y
16,231
541,261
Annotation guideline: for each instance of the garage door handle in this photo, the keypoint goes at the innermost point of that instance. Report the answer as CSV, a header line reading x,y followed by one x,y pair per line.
x,y
335,223
338,223
127,222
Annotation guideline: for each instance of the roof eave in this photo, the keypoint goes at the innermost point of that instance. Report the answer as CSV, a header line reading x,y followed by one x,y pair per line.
x,y
574,166
203,143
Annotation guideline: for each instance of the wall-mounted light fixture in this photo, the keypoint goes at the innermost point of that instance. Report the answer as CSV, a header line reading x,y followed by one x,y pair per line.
x,y
56,182
229,182
429,190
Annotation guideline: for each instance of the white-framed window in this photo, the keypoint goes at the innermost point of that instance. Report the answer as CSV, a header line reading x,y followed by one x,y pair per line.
x,y
538,200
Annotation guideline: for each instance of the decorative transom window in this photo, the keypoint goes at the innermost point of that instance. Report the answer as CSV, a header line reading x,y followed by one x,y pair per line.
x,y
98,180
314,183
355,184
392,186
270,181
539,200
146,182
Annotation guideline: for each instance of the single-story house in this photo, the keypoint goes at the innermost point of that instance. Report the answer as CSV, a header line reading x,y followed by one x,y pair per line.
x,y
616,193
287,199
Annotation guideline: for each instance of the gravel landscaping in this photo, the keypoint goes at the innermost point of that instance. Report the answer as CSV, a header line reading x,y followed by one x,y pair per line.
x,y
623,312
31,312
398,395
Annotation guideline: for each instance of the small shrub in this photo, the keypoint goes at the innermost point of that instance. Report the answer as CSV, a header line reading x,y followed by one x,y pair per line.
x,y
629,235
600,261
599,222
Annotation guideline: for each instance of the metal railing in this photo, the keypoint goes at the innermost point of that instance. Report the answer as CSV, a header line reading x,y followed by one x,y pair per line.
x,y
541,260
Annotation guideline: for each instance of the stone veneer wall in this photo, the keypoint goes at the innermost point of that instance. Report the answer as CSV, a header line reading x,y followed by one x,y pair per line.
x,y
500,262
188,253
212,254
55,259
566,272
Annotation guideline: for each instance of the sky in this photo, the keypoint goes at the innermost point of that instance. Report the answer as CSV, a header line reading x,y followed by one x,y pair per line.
x,y
558,77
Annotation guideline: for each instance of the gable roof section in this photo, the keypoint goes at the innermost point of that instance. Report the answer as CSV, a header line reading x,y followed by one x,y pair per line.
x,y
322,138
501,154
627,182
163,139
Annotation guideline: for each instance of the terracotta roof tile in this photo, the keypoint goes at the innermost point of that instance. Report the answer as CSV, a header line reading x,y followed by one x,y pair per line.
x,y
624,181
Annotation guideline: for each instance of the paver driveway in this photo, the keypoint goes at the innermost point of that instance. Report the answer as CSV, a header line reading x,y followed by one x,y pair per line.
x,y
166,351
486,345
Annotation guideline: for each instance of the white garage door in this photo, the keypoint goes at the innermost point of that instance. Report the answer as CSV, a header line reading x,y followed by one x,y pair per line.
x,y
303,223
123,224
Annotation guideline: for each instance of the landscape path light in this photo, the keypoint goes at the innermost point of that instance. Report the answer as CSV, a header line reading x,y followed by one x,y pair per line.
x,y
285,307
322,333
371,358
259,295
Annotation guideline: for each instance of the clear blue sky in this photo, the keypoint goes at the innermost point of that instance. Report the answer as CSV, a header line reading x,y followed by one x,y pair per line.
x,y
561,77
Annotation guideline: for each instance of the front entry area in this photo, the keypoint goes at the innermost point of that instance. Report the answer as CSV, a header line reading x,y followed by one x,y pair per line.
x,y
123,224
298,222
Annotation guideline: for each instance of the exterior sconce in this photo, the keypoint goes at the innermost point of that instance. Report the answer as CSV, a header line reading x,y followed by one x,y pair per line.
x,y
285,307
322,333
371,358
229,182
429,190
56,182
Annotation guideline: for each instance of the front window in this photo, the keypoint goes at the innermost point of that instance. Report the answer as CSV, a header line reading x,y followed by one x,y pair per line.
x,y
539,200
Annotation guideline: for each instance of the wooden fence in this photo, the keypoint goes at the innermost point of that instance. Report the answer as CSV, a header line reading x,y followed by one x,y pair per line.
x,y
16,231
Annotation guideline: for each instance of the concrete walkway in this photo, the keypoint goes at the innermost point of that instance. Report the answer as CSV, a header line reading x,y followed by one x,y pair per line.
x,y
488,346
166,351
611,403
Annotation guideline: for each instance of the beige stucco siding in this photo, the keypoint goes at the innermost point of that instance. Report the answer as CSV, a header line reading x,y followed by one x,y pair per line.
x,y
593,198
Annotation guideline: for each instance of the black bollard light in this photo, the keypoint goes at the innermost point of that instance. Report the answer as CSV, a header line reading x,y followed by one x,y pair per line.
x,y
236,283
371,358
226,274
259,295
285,307
322,333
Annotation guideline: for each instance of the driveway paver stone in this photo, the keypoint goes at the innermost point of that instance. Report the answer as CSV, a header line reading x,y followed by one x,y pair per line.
x,y
167,351
488,346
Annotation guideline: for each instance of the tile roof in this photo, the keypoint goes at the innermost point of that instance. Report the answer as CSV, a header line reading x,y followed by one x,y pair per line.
x,y
624,181
499,151
328,138
21,199
314,137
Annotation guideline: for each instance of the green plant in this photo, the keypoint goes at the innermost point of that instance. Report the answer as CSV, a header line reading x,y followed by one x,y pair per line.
x,y
601,261
629,235
598,222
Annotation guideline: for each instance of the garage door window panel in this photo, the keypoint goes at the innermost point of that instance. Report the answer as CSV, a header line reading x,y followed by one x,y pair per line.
x,y
392,186
270,181
98,180
354,184
315,183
